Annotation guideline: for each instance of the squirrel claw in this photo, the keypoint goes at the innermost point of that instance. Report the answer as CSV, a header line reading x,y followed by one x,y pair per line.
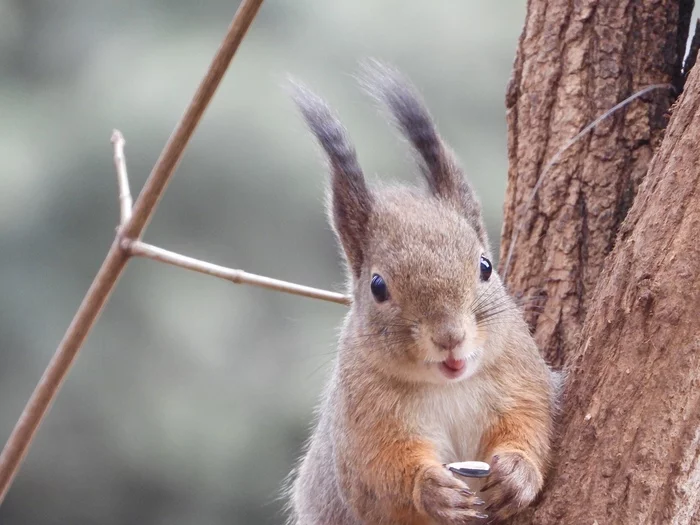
x,y
512,485
446,499
491,484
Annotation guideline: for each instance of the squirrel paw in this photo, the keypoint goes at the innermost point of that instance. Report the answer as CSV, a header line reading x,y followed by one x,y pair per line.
x,y
446,499
513,484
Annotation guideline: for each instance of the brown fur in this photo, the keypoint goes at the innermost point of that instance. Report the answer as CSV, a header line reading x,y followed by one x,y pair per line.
x,y
391,417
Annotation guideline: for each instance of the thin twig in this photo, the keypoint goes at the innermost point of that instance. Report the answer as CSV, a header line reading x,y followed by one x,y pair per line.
x,y
692,55
148,251
141,249
45,392
172,153
125,202
557,156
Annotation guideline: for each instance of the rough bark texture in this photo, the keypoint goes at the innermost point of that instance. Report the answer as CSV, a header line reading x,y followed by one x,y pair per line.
x,y
630,438
576,60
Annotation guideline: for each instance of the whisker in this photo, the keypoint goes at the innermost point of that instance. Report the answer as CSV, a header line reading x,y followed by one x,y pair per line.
x,y
480,295
484,299
488,302
316,370
495,302
386,338
494,322
492,313
500,306
503,316
383,333
314,356
484,296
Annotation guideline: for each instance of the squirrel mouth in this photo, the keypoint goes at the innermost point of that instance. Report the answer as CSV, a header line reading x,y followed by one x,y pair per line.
x,y
453,368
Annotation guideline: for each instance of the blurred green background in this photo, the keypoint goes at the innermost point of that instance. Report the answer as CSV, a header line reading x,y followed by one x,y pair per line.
x,y
191,398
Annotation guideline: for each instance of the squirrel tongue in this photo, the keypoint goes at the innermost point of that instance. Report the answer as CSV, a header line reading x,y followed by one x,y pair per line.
x,y
454,364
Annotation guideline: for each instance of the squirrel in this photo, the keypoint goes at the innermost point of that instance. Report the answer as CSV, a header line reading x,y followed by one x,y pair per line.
x,y
435,363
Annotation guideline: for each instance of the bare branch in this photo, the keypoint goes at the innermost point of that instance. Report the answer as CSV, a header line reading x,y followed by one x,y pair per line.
x,y
117,258
141,249
125,202
148,251
172,153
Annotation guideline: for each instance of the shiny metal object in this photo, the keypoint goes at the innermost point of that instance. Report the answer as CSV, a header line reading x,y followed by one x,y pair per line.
x,y
470,469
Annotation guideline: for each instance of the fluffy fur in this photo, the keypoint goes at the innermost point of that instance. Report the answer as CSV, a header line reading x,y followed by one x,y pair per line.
x,y
393,413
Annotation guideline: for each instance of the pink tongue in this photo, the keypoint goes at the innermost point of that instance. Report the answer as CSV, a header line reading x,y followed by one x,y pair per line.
x,y
454,364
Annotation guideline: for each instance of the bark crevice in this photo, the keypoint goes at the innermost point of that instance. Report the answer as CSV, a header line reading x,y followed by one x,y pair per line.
x,y
610,249
575,61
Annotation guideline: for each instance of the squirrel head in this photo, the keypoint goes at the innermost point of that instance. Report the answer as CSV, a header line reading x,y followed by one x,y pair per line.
x,y
426,303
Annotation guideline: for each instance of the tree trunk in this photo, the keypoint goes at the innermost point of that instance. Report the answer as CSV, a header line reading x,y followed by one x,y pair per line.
x,y
629,447
621,292
576,60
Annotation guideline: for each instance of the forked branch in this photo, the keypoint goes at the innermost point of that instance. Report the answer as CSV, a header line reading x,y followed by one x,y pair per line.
x,y
141,249
45,392
135,247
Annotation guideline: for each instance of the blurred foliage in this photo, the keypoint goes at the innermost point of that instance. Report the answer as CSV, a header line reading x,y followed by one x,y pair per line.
x,y
191,398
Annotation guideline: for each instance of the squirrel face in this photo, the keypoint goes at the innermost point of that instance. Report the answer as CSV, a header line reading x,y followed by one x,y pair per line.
x,y
425,300
416,298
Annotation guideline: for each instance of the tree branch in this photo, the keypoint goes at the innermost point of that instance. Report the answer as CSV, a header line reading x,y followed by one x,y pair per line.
x,y
134,247
45,392
125,202
141,249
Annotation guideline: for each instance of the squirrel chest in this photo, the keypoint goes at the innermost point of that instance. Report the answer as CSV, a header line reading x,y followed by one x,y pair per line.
x,y
453,419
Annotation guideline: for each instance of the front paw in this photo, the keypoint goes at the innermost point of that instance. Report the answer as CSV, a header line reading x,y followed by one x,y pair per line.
x,y
513,484
445,498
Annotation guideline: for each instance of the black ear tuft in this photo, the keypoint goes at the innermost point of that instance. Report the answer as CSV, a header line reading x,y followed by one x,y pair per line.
x,y
350,200
412,118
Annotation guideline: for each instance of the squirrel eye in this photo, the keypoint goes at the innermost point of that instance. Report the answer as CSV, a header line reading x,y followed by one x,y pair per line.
x,y
486,268
379,289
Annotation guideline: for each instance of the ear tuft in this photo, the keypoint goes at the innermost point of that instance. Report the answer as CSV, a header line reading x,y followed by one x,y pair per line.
x,y
350,199
410,115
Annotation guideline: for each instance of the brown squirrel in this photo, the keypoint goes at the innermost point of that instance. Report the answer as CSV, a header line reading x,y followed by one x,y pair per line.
x,y
435,363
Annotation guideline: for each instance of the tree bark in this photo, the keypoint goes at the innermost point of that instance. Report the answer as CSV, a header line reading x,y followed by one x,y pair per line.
x,y
630,442
621,291
576,60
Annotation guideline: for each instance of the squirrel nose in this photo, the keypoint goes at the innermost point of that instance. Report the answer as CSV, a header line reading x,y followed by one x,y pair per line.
x,y
448,339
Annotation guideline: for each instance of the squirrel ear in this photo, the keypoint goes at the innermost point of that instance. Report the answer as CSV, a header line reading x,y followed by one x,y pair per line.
x,y
350,202
438,163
